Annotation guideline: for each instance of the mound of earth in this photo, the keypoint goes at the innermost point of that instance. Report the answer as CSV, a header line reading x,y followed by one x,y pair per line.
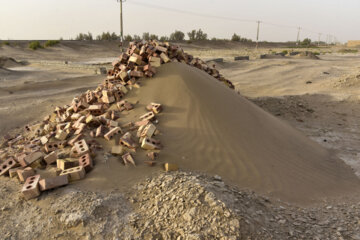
x,y
212,129
7,62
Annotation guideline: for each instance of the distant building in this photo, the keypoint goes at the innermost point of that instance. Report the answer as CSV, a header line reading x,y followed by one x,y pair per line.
x,y
353,43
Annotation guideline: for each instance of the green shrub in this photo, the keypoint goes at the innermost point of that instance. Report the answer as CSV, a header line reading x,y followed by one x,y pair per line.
x,y
316,53
50,43
284,52
35,45
7,43
235,38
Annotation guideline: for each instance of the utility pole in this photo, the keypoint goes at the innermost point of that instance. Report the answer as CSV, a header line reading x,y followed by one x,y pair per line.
x,y
121,22
257,34
298,36
319,39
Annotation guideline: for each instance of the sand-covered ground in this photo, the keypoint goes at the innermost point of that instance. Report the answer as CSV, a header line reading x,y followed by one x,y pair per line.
x,y
210,129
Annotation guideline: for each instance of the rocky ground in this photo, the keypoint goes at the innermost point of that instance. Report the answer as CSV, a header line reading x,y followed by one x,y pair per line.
x,y
177,205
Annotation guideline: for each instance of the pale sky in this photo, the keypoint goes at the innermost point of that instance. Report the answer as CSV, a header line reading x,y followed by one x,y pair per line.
x,y
50,19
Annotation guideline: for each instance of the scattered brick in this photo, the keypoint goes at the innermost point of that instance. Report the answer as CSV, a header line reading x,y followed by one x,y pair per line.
x,y
7,165
75,173
86,162
31,187
127,158
53,182
23,174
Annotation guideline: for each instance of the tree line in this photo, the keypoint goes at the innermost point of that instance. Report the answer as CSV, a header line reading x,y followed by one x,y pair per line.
x,y
194,35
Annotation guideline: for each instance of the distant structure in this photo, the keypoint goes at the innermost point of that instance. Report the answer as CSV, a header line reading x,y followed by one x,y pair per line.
x,y
353,43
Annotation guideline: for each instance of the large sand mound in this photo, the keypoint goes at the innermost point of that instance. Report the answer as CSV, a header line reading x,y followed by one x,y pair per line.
x,y
210,128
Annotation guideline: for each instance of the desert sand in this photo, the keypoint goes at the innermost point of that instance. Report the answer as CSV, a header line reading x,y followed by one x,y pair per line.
x,y
211,129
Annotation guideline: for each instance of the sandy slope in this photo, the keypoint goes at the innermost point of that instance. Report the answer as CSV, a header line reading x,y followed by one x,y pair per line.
x,y
210,128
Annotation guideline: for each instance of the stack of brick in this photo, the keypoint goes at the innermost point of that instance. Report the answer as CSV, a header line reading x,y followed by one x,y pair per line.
x,y
64,143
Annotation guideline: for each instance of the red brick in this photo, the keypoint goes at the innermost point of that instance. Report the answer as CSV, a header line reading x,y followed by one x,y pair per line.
x,y
81,147
152,155
52,146
126,140
148,116
108,136
86,162
127,158
53,182
31,187
75,173
23,174
7,165
50,158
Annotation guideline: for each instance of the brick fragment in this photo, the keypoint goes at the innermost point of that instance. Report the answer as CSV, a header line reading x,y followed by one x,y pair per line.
x,y
117,150
152,155
124,105
31,187
128,159
61,135
170,167
126,140
53,182
44,140
155,107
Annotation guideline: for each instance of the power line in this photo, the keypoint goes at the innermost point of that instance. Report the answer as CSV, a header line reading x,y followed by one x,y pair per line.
x,y
190,13
221,17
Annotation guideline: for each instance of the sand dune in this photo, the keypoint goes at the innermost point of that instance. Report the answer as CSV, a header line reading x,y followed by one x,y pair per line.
x,y
210,128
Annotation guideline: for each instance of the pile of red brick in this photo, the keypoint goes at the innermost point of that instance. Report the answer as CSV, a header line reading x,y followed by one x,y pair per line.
x,y
141,59
62,148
